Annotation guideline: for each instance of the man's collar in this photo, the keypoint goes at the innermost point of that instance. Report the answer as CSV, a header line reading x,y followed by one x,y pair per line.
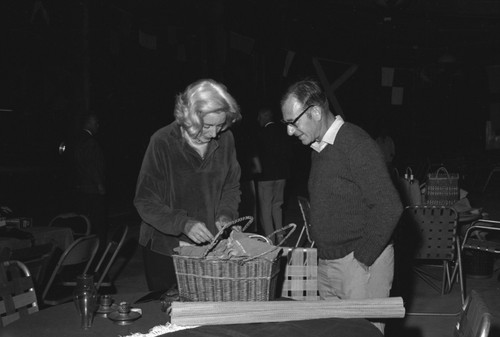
x,y
329,136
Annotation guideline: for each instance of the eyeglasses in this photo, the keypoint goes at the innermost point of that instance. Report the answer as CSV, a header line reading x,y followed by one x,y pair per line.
x,y
292,123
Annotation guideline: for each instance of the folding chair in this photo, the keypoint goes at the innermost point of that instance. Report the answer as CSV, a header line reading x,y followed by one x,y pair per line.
x,y
480,242
476,236
495,169
305,208
79,223
474,319
75,260
17,292
37,259
436,241
108,257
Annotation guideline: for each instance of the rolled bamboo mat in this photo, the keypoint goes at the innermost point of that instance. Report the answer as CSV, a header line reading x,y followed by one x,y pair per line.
x,y
215,313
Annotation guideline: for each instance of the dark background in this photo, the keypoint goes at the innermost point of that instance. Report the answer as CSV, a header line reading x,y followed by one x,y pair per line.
x,y
59,58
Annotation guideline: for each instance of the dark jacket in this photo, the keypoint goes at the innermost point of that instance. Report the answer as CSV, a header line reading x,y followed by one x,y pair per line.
x,y
175,184
89,163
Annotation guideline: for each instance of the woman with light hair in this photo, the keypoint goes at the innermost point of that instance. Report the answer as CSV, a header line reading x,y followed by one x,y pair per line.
x,y
188,185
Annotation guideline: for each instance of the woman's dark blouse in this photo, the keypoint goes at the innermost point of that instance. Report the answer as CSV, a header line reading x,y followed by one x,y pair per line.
x,y
176,184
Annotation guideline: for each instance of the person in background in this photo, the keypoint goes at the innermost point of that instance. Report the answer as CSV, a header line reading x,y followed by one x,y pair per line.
x,y
274,153
354,204
386,145
90,177
250,166
188,185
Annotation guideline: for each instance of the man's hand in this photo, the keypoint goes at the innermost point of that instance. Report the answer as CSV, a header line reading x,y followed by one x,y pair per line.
x,y
364,266
197,231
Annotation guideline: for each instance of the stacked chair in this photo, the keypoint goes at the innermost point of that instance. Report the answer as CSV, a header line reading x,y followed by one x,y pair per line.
x,y
17,292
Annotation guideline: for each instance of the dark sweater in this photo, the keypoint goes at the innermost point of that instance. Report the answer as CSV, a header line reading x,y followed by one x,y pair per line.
x,y
354,204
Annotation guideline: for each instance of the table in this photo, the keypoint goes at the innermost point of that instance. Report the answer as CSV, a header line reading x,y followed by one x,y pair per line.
x,y
465,219
63,320
62,237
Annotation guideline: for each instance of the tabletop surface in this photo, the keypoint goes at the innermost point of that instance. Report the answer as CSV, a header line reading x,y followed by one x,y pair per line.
x,y
62,237
63,320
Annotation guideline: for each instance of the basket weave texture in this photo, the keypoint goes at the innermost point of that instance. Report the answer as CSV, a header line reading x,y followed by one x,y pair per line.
x,y
442,188
202,279
217,280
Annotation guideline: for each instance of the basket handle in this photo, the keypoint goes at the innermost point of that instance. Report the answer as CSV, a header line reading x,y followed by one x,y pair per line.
x,y
290,226
442,168
273,248
218,236
409,174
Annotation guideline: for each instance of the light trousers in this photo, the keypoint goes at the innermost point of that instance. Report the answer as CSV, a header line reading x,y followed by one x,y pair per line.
x,y
346,278
271,195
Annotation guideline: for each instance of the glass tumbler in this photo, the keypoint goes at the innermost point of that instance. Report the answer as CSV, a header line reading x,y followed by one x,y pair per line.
x,y
85,298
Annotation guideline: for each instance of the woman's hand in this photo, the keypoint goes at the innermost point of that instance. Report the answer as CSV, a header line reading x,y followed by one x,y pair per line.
x,y
221,222
197,231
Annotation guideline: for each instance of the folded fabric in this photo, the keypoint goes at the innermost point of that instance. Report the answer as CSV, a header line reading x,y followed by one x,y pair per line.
x,y
238,245
245,246
193,251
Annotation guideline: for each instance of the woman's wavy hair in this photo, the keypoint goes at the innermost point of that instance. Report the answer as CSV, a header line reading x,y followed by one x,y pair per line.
x,y
201,98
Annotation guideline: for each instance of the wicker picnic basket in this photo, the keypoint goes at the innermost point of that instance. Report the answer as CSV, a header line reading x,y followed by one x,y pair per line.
x,y
442,188
249,279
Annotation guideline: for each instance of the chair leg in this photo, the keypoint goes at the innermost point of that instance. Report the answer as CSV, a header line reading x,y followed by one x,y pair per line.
x,y
446,284
458,272
427,278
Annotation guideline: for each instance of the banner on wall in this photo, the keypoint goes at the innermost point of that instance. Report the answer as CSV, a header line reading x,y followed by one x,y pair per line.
x,y
147,41
395,80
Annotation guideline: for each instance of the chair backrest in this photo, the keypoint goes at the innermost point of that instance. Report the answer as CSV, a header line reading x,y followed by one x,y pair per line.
x,y
37,259
436,229
305,208
475,319
17,293
80,253
79,223
110,253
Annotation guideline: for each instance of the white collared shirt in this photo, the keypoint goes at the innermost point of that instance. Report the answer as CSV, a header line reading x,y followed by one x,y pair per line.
x,y
329,136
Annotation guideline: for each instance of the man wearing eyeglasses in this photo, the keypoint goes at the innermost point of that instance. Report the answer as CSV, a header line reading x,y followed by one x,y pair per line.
x,y
354,204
